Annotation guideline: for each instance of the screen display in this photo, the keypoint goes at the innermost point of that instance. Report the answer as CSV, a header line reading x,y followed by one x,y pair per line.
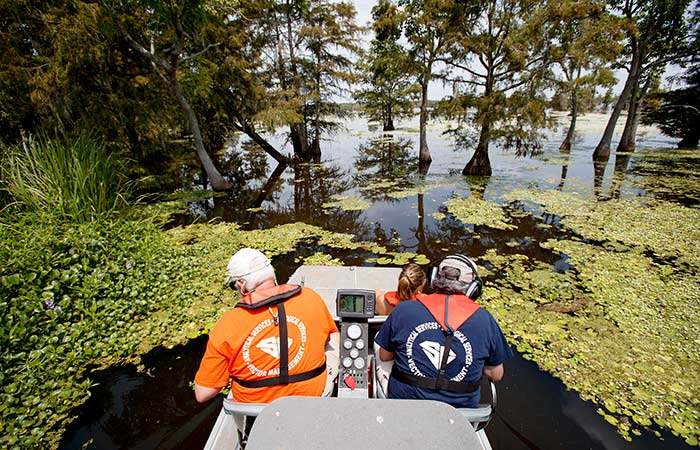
x,y
352,304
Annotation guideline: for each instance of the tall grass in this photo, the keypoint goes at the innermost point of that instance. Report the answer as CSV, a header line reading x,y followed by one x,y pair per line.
x,y
78,179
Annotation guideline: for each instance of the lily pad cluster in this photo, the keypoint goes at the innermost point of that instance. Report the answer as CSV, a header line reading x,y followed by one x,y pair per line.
x,y
668,230
400,259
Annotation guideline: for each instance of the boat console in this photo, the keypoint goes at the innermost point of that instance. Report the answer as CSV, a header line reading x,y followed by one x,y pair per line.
x,y
354,307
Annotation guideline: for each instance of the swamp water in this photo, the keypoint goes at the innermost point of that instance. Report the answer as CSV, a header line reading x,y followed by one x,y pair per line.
x,y
534,227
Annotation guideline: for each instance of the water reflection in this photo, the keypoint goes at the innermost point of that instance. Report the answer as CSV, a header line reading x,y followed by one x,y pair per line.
x,y
598,176
384,159
153,408
622,160
311,186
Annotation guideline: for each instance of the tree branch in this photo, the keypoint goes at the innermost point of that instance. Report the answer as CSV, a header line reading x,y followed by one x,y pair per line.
x,y
460,66
194,55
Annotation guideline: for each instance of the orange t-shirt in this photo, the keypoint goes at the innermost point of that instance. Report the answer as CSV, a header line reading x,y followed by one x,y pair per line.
x,y
392,297
245,344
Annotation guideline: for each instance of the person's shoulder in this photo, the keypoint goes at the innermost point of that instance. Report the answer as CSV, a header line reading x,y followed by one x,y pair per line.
x,y
230,320
392,297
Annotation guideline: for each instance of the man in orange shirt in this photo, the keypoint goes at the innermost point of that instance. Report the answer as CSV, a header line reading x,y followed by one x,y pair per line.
x,y
273,343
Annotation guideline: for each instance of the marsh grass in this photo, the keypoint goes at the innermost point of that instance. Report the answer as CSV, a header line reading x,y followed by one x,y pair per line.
x,y
79,179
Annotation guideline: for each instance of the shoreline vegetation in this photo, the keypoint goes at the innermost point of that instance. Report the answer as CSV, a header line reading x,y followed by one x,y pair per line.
x,y
78,295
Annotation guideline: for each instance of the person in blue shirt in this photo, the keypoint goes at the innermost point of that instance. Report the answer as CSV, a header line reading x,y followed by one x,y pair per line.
x,y
416,334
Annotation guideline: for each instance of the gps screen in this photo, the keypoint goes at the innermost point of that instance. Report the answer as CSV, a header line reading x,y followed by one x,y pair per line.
x,y
352,304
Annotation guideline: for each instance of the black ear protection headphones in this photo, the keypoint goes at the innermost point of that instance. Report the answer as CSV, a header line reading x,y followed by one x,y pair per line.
x,y
474,289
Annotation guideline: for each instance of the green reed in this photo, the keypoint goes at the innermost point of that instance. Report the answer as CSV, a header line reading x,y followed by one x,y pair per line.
x,y
77,179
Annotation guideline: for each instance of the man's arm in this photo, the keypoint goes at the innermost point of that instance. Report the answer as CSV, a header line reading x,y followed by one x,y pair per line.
x,y
385,355
333,354
494,373
203,393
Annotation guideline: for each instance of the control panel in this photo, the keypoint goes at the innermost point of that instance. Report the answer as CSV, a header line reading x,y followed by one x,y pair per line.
x,y
354,307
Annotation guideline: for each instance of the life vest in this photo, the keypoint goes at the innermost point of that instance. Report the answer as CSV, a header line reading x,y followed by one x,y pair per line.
x,y
392,297
450,312
277,296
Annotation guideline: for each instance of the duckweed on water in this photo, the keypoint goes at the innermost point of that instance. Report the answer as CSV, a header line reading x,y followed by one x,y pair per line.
x,y
669,173
669,230
347,203
475,211
622,327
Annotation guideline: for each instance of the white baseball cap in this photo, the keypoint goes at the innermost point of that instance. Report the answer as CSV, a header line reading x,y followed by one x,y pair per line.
x,y
246,262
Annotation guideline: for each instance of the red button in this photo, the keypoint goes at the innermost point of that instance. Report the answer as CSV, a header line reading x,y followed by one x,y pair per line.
x,y
349,381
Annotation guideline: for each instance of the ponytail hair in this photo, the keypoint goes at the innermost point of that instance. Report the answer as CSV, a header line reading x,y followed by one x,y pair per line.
x,y
411,281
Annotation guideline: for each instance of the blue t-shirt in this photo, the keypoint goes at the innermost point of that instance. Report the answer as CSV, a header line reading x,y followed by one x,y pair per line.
x,y
417,340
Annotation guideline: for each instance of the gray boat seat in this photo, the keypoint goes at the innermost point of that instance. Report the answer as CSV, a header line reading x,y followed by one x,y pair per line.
x,y
320,423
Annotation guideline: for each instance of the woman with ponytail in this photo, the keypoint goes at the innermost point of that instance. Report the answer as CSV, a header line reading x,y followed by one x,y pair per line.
x,y
410,287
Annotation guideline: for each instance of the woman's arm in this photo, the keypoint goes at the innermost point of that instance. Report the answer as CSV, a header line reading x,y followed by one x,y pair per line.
x,y
385,355
494,373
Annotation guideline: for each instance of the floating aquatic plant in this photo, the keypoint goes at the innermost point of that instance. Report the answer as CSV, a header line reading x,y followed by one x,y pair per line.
x,y
475,211
667,229
347,203
641,322
320,259
400,259
668,173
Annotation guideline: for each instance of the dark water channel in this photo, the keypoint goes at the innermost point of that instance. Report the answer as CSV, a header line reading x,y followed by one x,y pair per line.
x,y
155,408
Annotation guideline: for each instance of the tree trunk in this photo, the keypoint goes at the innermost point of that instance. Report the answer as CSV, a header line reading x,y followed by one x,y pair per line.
x,y
569,139
602,150
423,151
300,141
628,141
388,120
564,167
316,144
690,141
480,163
168,71
218,182
388,125
269,149
423,167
